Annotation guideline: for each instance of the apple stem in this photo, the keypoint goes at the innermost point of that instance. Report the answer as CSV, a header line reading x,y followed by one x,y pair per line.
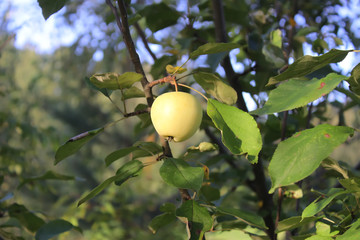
x,y
183,85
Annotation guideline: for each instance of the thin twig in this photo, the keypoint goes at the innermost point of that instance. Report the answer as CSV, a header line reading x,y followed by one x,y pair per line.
x,y
141,34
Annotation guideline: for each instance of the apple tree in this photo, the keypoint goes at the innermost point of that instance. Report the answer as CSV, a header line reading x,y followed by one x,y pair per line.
x,y
256,79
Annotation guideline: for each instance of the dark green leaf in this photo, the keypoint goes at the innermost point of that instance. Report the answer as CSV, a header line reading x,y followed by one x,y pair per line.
x,y
198,216
49,175
352,233
104,91
297,93
239,130
161,221
159,67
250,218
319,205
132,92
210,193
214,86
139,149
210,48
127,171
180,174
50,7
354,80
294,222
74,144
273,55
297,157
119,154
306,30
27,218
159,16
351,184
308,64
113,81
52,229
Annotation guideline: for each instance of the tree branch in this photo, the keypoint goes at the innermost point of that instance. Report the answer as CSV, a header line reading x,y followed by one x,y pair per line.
x,y
122,22
221,36
141,34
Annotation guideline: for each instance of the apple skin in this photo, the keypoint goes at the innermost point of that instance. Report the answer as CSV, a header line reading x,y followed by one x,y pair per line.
x,y
177,115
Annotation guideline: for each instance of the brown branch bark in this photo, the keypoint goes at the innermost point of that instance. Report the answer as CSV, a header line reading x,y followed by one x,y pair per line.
x,y
141,34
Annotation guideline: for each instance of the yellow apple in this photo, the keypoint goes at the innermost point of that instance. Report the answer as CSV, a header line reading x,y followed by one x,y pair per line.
x,y
177,115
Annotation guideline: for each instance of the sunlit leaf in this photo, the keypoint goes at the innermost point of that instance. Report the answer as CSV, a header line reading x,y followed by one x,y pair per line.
x,y
27,218
354,80
198,216
210,48
127,171
352,233
250,218
204,147
52,229
276,38
214,86
294,222
178,173
319,204
49,175
297,157
74,144
170,69
113,81
297,93
239,130
50,7
308,64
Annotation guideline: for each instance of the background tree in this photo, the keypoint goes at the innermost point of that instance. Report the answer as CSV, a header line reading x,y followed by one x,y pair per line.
x,y
236,191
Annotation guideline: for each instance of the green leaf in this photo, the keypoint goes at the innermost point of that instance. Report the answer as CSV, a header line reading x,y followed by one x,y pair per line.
x,y
294,222
354,80
49,175
276,38
164,219
127,171
113,81
74,144
203,147
27,218
210,48
170,69
119,154
178,173
239,130
199,217
52,229
50,7
273,55
214,86
228,234
139,149
318,205
308,64
210,193
298,156
159,66
352,233
351,184
104,91
250,218
159,16
297,93
132,92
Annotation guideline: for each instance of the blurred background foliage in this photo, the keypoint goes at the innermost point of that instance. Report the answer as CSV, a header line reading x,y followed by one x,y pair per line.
x,y
45,100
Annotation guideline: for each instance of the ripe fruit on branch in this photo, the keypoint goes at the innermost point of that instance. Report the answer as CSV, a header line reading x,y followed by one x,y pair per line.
x,y
177,115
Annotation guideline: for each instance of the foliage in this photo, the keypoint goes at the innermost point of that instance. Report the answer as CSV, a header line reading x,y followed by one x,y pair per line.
x,y
227,182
